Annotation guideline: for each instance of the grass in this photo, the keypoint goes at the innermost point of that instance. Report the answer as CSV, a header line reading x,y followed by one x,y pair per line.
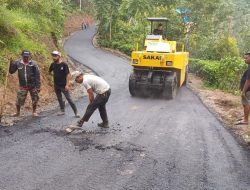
x,y
21,29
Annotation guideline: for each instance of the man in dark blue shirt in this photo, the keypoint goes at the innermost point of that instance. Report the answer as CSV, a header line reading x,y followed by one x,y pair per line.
x,y
245,89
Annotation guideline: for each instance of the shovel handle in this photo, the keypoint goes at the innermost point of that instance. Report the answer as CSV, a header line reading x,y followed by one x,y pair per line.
x,y
5,88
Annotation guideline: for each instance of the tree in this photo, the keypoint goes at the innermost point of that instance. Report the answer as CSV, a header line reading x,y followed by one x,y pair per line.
x,y
123,23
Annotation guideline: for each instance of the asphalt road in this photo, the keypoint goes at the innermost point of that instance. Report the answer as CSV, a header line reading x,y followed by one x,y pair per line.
x,y
152,144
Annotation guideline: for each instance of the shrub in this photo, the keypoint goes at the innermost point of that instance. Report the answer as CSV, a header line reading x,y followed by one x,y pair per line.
x,y
230,72
224,74
205,69
126,48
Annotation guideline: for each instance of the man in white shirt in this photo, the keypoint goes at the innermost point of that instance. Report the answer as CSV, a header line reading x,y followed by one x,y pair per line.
x,y
101,88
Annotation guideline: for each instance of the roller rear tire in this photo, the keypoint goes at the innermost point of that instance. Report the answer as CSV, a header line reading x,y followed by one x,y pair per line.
x,y
170,87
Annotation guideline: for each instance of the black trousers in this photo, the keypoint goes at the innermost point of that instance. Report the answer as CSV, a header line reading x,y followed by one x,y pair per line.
x,y
59,91
100,103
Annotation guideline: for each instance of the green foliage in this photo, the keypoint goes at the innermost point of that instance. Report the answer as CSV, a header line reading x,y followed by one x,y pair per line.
x,y
206,69
218,22
220,32
28,24
123,23
226,47
214,49
240,24
2,69
213,33
224,74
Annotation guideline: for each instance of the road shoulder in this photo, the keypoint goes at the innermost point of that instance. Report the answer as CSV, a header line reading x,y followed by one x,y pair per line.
x,y
225,106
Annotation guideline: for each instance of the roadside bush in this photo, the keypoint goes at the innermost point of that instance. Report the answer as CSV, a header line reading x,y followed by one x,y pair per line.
x,y
230,72
205,69
104,43
126,48
224,74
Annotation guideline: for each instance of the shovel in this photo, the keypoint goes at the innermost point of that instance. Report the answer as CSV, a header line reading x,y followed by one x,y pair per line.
x,y
2,105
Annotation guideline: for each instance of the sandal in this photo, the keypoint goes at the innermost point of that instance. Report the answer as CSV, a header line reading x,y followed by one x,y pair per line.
x,y
72,128
69,130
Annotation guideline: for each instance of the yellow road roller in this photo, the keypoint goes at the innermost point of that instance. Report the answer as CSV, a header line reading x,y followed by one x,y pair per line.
x,y
161,67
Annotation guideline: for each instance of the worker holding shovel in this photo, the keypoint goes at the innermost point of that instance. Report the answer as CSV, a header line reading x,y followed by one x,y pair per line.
x,y
94,85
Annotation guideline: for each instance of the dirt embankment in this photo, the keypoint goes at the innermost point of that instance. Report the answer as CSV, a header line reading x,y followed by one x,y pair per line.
x,y
47,97
226,106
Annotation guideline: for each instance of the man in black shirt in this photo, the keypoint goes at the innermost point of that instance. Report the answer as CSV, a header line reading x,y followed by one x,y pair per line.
x,y
245,89
61,82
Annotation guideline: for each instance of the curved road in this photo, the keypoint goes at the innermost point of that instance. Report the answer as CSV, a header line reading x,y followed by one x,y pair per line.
x,y
152,144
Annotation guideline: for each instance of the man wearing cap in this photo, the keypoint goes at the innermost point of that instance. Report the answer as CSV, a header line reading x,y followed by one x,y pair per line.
x,y
245,89
61,82
101,88
29,81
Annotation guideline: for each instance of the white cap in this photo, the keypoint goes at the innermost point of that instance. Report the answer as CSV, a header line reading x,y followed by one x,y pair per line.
x,y
75,74
56,53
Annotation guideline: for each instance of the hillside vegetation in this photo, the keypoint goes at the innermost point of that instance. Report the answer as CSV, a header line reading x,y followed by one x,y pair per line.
x,y
30,24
